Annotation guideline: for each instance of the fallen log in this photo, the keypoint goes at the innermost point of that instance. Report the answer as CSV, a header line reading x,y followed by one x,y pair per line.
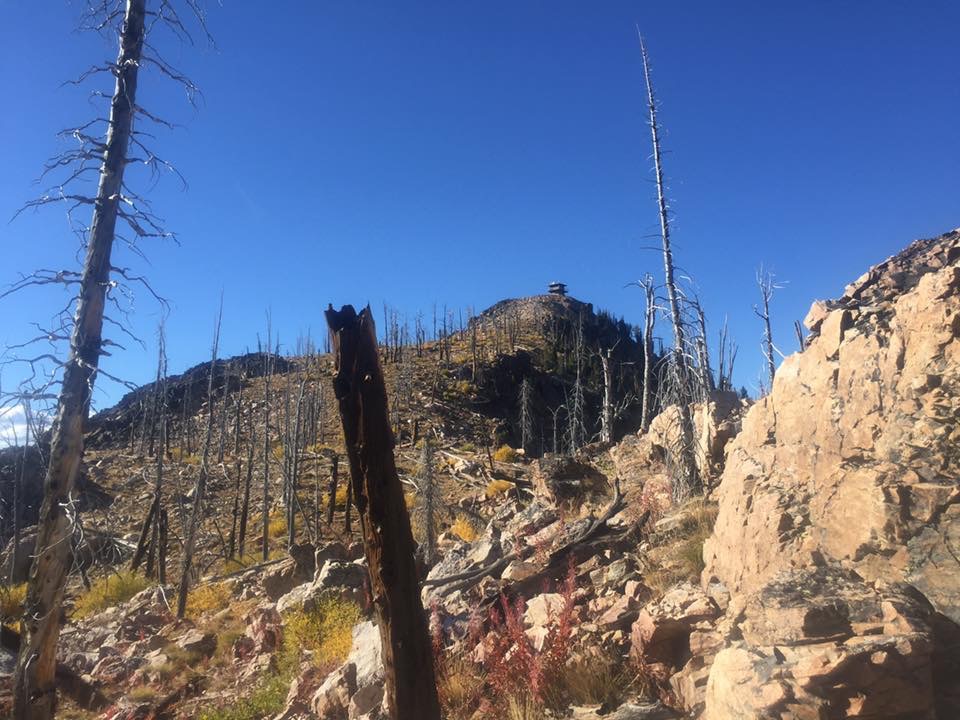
x,y
556,561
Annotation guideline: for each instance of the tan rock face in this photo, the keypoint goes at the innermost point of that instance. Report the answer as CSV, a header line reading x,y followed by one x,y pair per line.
x,y
716,422
821,643
853,455
835,549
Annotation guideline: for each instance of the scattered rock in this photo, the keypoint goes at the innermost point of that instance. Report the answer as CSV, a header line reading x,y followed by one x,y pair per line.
x,y
200,643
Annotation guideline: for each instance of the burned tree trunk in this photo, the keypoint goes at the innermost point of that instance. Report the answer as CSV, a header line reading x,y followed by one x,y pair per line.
x,y
245,507
334,463
34,692
411,691
200,489
606,414
767,285
646,413
158,501
686,478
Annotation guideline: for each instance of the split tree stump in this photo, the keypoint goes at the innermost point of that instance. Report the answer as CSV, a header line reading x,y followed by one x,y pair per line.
x,y
411,690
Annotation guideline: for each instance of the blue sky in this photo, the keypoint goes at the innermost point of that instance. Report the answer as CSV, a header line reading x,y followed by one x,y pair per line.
x,y
460,153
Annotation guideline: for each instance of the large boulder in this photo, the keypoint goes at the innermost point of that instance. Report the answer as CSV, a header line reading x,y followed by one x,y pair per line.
x,y
853,456
560,479
839,513
355,689
716,422
823,643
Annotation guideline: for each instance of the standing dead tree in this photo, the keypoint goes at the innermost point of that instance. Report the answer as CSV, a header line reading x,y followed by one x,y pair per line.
x,y
200,489
702,351
410,687
765,281
526,415
727,353
649,318
576,402
106,148
332,504
429,500
686,478
245,505
265,520
149,531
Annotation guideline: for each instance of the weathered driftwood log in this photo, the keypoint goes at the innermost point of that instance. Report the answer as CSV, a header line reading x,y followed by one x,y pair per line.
x,y
595,536
411,691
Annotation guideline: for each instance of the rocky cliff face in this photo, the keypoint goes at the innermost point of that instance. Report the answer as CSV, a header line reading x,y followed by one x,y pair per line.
x,y
836,552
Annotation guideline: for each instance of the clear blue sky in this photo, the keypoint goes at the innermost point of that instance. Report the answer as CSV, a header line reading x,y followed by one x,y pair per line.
x,y
461,153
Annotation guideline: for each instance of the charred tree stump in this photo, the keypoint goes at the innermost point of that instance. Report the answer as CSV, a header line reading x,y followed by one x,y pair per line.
x,y
411,691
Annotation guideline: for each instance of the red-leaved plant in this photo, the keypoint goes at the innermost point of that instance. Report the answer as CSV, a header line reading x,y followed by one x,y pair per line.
x,y
514,667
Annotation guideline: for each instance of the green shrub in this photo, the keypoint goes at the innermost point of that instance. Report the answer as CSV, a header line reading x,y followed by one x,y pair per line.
x,y
266,700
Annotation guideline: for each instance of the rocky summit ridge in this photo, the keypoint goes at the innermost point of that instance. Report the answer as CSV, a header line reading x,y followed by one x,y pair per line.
x,y
817,579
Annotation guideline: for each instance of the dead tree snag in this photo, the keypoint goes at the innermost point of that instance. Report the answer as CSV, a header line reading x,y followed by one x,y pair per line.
x,y
411,692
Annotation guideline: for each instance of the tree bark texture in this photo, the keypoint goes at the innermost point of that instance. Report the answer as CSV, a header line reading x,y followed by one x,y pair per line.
x,y
411,692
34,681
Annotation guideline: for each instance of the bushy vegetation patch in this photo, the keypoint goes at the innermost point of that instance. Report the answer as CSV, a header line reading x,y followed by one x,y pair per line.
x,y
464,529
108,591
12,598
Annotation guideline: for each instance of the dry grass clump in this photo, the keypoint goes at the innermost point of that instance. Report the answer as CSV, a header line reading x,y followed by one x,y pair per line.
x,y
460,684
108,591
267,699
464,529
506,454
206,598
680,555
278,525
498,487
597,679
12,598
326,631
463,387
142,694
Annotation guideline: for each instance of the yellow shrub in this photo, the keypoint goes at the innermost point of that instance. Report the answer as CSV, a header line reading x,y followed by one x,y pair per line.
x,y
205,598
251,557
341,496
190,460
498,487
506,454
463,387
326,630
278,525
108,591
142,694
11,602
464,529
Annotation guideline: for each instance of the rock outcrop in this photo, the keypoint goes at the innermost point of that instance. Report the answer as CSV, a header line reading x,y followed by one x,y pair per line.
x,y
835,552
